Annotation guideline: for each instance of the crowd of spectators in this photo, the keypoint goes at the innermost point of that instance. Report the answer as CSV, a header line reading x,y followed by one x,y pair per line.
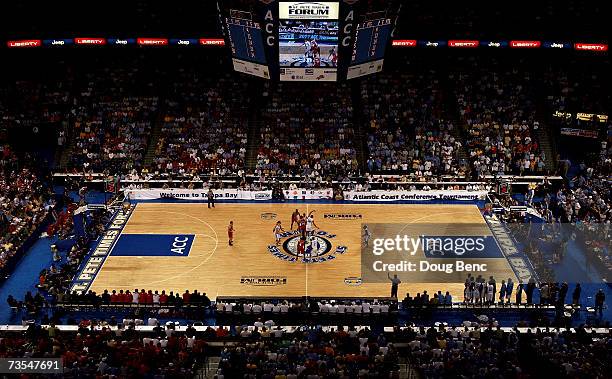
x,y
499,110
293,307
262,350
204,126
310,353
111,127
577,97
308,131
138,296
102,352
406,129
496,353
24,203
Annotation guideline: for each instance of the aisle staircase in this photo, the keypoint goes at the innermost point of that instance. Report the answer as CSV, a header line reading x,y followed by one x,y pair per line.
x,y
407,371
253,141
62,156
210,369
154,137
546,134
258,104
452,114
359,127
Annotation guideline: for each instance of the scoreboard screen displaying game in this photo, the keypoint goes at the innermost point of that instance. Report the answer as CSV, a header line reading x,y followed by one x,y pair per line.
x,y
246,43
308,41
369,45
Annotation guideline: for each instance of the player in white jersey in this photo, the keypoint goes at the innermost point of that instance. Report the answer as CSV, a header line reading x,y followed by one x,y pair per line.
x,y
310,224
312,248
307,51
278,229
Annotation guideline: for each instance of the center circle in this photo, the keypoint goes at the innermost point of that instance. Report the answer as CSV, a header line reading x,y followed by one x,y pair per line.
x,y
315,246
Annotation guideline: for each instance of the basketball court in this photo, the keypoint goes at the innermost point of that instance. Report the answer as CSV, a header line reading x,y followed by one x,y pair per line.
x,y
179,246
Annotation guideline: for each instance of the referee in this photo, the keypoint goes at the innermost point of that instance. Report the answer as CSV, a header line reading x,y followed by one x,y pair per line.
x,y
211,198
395,282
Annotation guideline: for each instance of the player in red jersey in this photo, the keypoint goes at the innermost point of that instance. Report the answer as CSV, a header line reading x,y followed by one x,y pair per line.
x,y
301,247
302,225
230,233
295,217
333,56
316,50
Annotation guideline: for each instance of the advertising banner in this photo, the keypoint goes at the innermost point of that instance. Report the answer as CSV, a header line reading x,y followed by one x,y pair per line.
x,y
196,195
306,194
385,196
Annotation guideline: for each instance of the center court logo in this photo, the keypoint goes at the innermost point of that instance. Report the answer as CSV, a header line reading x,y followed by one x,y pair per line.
x,y
318,248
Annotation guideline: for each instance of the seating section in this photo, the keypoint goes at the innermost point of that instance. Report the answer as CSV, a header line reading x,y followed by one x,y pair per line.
x,y
204,126
113,120
498,108
308,131
406,130
24,204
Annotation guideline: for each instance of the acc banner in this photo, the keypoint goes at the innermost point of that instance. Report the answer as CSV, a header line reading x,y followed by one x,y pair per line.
x,y
306,194
268,19
196,195
383,196
347,22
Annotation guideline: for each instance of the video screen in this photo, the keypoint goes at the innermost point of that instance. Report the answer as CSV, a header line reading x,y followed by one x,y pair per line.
x,y
304,43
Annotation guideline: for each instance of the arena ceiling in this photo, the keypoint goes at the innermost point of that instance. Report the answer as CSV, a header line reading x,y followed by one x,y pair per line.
x,y
555,19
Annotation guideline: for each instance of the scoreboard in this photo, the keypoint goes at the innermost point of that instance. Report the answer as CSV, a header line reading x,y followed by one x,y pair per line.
x,y
369,46
307,40
245,40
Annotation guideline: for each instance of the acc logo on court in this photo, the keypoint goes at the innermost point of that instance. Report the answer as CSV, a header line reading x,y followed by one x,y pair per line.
x,y
318,248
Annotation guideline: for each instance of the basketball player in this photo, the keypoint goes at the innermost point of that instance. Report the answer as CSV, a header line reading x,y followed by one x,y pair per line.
x,y
366,235
278,229
316,50
333,56
230,233
301,247
302,225
307,50
295,217
314,247
310,224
